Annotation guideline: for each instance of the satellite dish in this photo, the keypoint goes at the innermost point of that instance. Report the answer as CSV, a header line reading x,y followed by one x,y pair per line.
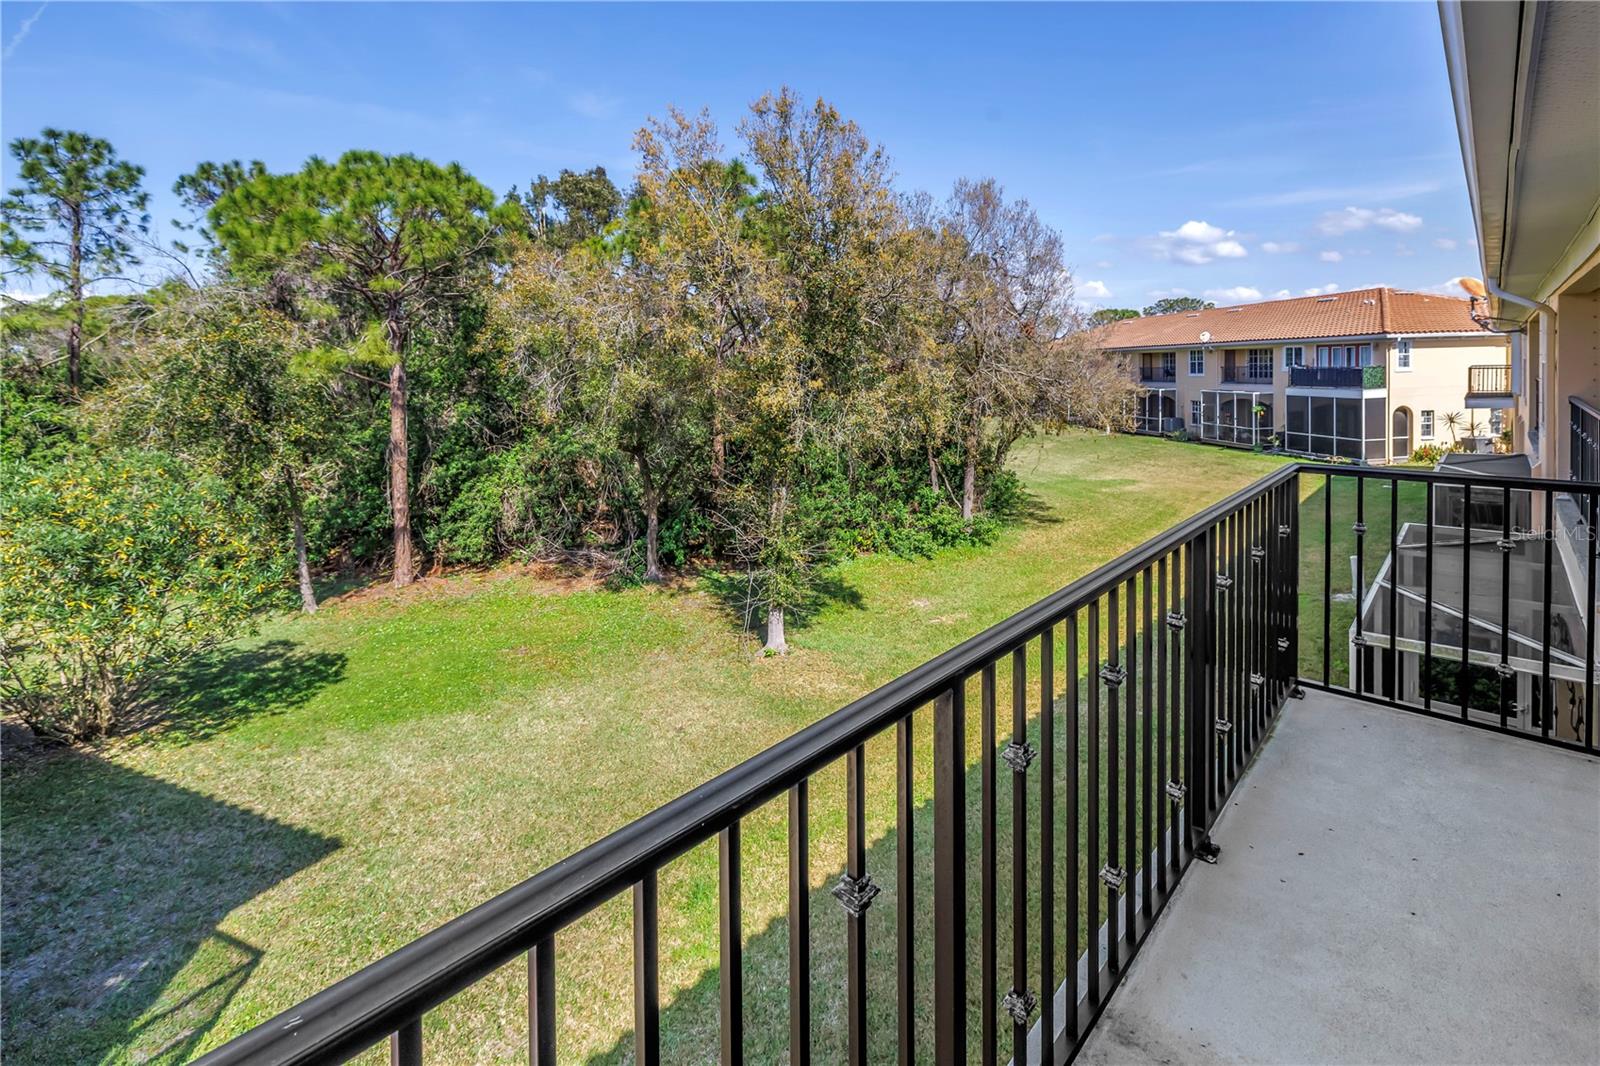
x,y
1205,336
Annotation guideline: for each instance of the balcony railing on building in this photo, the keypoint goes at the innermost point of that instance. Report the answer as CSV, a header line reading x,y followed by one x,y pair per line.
x,y
1126,706
1583,428
1336,377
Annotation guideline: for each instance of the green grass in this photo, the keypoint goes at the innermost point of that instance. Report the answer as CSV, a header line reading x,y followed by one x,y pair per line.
x,y
339,785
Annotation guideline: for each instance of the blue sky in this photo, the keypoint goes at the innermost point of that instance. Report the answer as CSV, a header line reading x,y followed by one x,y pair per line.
x,y
1232,151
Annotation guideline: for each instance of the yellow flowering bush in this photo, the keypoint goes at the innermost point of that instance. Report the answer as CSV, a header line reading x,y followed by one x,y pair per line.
x,y
113,568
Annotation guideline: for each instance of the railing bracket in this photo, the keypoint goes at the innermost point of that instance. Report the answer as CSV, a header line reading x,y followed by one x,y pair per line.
x,y
1505,670
1359,640
1360,529
1114,877
1176,790
855,894
1224,582
1258,554
1257,680
1283,531
1019,1005
1506,544
1297,693
1283,643
1176,620
1018,756
1207,851
1223,726
1113,675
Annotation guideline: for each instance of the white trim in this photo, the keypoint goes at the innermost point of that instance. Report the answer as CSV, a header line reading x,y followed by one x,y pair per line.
x,y
1403,349
1201,352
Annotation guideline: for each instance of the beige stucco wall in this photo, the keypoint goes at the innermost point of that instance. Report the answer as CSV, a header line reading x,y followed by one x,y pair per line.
x,y
1436,382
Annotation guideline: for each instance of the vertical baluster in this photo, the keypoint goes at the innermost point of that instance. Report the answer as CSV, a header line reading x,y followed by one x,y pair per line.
x,y
1149,787
1292,575
1114,675
1047,843
1130,777
988,964
1019,754
1505,672
905,894
855,892
1159,792
800,924
1092,887
730,928
1427,605
1547,702
405,1044
1393,672
1327,578
1362,682
646,973
1593,532
949,876
1227,602
1179,768
542,1003
1464,680
1074,861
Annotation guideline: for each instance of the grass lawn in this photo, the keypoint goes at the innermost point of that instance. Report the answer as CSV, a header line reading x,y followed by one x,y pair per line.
x,y
338,785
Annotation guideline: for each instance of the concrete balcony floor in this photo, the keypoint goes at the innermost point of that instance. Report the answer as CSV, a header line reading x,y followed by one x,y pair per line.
x,y
1392,889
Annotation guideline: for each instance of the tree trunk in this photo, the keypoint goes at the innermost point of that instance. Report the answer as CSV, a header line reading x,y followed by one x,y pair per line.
x,y
75,284
969,472
302,565
652,520
399,460
933,469
775,645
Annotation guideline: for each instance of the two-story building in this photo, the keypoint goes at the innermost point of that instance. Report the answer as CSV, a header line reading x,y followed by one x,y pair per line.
x,y
1368,375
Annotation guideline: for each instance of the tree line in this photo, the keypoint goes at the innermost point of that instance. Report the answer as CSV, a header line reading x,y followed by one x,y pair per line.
x,y
759,358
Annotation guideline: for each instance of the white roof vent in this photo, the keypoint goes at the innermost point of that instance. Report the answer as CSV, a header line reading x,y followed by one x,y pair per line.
x,y
1326,299
1192,314
1369,301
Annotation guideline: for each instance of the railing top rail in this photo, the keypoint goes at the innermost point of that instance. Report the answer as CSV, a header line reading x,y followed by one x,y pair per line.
x,y
1386,473
363,1008
1584,405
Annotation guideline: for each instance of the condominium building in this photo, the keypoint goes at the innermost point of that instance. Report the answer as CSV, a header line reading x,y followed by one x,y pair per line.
x,y
1367,375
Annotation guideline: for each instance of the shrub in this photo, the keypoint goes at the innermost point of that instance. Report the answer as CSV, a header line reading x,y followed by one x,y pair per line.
x,y
113,568
1428,453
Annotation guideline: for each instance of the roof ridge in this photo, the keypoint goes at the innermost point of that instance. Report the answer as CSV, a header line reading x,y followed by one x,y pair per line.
x,y
1383,310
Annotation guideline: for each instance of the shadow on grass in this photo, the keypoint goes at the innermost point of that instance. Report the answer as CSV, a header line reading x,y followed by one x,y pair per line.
x,y
734,594
113,886
211,694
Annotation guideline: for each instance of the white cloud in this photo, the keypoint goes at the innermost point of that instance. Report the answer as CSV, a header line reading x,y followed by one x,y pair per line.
x,y
1321,290
1350,219
1447,244
1162,294
22,32
1282,294
593,105
1096,289
1196,243
22,296
1330,257
1279,247
1239,294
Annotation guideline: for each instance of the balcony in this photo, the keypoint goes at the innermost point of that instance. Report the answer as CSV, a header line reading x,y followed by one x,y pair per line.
x,y
1337,377
1489,386
1245,375
1405,870
1158,373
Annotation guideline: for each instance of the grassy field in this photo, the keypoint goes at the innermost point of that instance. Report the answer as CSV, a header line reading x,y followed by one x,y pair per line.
x,y
338,785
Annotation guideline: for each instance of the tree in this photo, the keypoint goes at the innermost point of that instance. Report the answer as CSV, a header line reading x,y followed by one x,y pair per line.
x,y
1171,305
72,218
114,567
221,388
573,207
1107,315
389,241
1005,297
201,188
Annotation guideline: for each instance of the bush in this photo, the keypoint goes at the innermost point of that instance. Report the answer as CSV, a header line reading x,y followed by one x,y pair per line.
x,y
113,568
1428,453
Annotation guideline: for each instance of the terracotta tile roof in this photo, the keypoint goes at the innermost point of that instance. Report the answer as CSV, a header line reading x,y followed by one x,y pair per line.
x,y
1359,313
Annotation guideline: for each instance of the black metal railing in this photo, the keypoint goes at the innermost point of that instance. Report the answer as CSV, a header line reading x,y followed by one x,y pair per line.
x,y
1452,596
1150,682
1244,373
1143,423
1326,377
1158,373
1494,380
1583,429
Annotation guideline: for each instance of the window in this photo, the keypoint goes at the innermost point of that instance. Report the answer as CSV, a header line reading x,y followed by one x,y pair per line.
x,y
1260,363
1169,364
1197,362
1293,356
1402,355
1194,413
1426,429
1344,355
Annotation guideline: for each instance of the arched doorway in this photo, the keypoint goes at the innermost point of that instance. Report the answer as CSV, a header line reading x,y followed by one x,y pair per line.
x,y
1400,430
